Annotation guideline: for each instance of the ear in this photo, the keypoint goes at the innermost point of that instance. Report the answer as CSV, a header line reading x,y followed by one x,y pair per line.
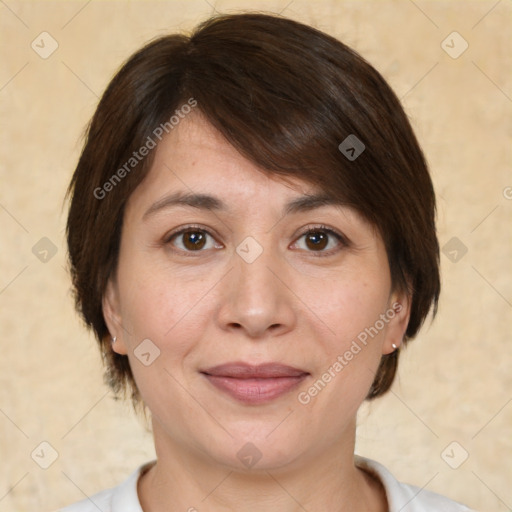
x,y
398,314
113,318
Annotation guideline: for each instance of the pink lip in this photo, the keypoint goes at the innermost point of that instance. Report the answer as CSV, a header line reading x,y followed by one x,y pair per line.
x,y
254,384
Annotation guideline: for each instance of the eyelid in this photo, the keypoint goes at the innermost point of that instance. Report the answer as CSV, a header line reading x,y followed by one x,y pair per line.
x,y
323,227
342,239
167,238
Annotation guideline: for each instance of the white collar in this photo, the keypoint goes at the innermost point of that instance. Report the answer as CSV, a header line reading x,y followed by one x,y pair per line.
x,y
401,497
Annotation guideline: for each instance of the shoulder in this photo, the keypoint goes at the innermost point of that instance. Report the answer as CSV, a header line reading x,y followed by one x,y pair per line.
x,y
122,498
408,498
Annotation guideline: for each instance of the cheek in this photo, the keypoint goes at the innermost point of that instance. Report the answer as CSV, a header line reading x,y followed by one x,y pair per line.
x,y
172,311
346,303
169,315
349,308
154,299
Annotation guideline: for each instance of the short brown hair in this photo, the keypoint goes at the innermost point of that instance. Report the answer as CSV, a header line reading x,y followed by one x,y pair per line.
x,y
285,95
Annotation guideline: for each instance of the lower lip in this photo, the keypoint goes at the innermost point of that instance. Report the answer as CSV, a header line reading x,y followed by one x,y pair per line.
x,y
255,391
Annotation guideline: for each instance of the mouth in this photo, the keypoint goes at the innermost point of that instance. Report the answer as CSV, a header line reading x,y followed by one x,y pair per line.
x,y
252,384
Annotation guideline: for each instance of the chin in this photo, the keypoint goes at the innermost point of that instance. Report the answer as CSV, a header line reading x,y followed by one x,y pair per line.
x,y
257,446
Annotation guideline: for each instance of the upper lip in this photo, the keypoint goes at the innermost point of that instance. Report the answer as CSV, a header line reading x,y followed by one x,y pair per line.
x,y
241,370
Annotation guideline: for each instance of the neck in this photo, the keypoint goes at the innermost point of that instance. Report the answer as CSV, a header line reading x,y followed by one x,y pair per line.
x,y
185,480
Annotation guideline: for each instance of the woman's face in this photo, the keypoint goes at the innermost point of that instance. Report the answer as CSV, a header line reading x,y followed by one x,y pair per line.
x,y
254,316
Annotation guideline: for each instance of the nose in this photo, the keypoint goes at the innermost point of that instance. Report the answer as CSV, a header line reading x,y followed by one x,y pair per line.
x,y
256,299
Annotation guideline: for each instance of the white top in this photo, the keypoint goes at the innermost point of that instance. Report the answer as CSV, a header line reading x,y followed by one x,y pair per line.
x,y
401,497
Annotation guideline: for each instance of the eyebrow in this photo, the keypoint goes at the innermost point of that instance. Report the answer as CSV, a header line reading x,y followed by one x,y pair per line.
x,y
209,202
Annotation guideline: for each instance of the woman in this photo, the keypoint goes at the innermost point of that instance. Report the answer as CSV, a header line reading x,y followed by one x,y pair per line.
x,y
252,240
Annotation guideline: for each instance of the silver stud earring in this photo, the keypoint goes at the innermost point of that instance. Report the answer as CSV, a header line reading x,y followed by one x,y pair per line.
x,y
394,346
114,339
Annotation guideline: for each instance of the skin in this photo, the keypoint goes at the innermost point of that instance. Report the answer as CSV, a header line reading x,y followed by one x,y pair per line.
x,y
205,307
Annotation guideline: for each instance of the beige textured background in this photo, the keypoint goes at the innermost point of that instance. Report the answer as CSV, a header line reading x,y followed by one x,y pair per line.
x,y
455,381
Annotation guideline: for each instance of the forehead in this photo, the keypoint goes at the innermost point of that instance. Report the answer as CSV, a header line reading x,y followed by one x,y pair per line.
x,y
195,158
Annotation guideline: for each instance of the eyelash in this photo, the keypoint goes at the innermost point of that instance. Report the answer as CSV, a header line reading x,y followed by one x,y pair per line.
x,y
342,240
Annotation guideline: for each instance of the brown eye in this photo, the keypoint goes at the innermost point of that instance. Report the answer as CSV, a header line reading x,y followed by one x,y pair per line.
x,y
321,240
316,240
194,240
